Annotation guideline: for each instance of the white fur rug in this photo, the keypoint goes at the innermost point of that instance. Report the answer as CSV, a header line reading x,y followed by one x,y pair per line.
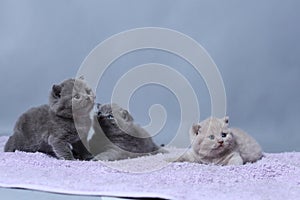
x,y
276,176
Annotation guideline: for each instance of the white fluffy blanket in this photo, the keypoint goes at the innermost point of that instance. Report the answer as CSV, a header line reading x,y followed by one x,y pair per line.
x,y
276,176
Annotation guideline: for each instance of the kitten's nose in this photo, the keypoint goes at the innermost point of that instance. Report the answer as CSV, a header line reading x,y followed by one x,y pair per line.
x,y
88,98
220,141
99,114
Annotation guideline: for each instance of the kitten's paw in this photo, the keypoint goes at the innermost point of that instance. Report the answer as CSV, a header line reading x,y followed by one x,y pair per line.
x,y
235,160
66,158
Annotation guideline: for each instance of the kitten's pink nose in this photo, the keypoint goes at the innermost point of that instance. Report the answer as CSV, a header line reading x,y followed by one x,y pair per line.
x,y
220,141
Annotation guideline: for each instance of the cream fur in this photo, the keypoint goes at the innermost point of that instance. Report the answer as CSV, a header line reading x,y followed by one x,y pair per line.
x,y
206,137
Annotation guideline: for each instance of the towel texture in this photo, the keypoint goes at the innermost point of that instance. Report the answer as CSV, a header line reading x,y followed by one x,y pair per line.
x,y
276,176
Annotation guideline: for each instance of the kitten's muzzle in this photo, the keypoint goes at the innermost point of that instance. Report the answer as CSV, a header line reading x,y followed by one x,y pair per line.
x,y
99,115
91,99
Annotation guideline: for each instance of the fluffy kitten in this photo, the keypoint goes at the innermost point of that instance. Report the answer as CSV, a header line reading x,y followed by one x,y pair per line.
x,y
214,142
118,137
56,128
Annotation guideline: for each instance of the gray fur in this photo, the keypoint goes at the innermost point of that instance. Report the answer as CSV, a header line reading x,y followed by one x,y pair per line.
x,y
56,129
118,137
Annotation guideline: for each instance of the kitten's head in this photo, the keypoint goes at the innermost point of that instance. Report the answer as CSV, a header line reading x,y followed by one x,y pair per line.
x,y
211,137
70,98
113,116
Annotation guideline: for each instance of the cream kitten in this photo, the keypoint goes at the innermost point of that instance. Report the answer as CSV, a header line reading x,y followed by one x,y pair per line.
x,y
214,142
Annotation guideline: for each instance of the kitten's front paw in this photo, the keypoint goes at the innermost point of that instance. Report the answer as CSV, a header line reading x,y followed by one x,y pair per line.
x,y
235,160
64,154
66,157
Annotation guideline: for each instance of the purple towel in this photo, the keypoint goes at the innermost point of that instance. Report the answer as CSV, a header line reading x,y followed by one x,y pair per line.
x,y
276,176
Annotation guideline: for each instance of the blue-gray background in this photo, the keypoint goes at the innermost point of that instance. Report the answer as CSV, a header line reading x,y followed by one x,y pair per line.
x,y
255,44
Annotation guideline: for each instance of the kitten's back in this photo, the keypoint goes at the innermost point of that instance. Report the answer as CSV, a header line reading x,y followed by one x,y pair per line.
x,y
26,129
249,149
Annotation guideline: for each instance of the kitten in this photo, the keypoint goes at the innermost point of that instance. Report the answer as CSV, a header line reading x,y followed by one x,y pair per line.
x,y
57,128
214,142
118,137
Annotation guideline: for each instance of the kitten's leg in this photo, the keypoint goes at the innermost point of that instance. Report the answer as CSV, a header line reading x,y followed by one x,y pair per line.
x,y
80,151
236,159
61,149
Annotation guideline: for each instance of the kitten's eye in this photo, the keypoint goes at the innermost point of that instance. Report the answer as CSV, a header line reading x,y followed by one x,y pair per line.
x,y
110,116
99,113
211,137
223,134
76,96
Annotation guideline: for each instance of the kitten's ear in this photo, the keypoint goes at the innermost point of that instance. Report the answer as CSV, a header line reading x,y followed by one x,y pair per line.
x,y
196,128
126,115
98,105
226,119
56,90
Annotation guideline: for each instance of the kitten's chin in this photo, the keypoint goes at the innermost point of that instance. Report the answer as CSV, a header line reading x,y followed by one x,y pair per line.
x,y
222,149
80,113
219,147
84,110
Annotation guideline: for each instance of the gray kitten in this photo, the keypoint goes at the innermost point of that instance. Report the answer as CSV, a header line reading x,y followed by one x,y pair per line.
x,y
214,142
118,137
57,128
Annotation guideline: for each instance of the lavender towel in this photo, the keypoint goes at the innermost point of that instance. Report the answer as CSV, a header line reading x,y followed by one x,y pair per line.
x,y
276,176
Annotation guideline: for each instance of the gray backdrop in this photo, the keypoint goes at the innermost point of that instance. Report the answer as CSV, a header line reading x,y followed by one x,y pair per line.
x,y
255,45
